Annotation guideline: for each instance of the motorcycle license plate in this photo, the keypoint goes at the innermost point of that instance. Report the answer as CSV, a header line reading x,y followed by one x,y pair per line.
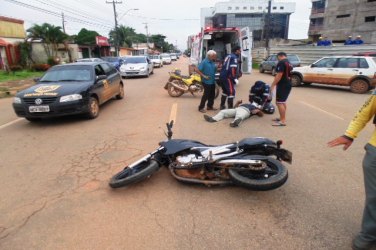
x,y
39,109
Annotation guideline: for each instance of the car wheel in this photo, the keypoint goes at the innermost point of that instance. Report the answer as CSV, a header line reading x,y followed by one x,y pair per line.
x,y
93,108
274,72
121,92
296,81
261,69
359,86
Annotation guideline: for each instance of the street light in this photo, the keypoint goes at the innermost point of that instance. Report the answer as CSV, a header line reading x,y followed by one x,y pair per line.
x,y
126,13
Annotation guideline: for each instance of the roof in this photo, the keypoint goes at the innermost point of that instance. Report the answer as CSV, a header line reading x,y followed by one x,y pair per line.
x,y
11,20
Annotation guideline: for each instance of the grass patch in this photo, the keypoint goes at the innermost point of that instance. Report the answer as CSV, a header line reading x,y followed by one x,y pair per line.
x,y
255,65
18,75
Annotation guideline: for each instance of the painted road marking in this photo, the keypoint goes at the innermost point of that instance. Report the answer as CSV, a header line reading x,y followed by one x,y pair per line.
x,y
174,110
324,111
11,123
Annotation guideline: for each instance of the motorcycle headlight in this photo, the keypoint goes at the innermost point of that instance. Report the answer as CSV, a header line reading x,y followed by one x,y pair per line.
x,y
70,98
17,100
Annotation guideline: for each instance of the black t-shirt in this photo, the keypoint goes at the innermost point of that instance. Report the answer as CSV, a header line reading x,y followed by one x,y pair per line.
x,y
285,67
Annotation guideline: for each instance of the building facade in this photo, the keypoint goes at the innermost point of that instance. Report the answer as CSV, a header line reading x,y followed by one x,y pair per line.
x,y
12,32
252,14
338,19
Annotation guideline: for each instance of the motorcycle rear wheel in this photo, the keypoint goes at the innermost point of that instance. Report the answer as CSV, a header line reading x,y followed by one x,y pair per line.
x,y
132,175
174,92
274,176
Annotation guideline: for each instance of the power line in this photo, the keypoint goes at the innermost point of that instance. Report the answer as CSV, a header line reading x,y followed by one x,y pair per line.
x,y
73,19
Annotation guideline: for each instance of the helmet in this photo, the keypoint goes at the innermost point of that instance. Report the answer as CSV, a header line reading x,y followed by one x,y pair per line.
x,y
268,108
258,88
177,71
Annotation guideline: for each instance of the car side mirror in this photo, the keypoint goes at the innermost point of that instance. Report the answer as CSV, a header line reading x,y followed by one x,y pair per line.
x,y
101,77
36,79
313,65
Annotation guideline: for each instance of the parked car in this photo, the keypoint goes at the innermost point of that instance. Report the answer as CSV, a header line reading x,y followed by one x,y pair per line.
x,y
156,60
166,58
92,59
136,66
358,72
271,62
115,61
173,57
68,89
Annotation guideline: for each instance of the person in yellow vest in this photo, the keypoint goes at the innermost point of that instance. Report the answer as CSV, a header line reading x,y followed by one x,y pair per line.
x,y
366,239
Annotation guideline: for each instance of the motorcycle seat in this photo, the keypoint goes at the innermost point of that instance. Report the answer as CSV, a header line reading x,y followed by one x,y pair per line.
x,y
185,77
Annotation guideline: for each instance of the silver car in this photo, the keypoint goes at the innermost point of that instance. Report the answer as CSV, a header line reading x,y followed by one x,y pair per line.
x,y
156,60
136,66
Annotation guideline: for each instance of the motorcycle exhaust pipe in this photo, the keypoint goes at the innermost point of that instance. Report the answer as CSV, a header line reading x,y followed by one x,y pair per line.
x,y
185,88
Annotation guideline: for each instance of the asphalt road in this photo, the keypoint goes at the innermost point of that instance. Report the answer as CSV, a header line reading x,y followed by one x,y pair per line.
x,y
54,175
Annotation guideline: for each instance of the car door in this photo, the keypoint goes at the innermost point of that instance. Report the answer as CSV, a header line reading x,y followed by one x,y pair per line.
x,y
101,85
271,62
344,70
150,65
320,71
113,79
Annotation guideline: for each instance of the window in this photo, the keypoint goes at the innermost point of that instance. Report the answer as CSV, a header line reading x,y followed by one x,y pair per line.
x,y
237,8
347,63
282,8
363,63
325,63
371,1
229,8
260,8
369,19
252,8
343,16
274,8
245,8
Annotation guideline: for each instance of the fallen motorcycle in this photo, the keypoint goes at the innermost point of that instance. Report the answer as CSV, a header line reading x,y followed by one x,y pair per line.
x,y
254,163
178,84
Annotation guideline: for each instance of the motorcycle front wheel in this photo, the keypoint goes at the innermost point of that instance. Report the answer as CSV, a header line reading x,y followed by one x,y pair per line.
x,y
273,176
132,175
174,92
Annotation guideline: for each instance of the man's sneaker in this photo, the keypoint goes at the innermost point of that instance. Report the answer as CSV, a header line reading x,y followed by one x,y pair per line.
x,y
235,123
209,118
202,110
360,244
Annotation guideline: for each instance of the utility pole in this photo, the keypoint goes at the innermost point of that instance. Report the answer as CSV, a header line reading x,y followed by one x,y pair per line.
x,y
116,37
63,20
147,34
267,28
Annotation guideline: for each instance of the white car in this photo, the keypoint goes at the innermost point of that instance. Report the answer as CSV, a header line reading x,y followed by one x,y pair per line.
x,y
156,60
173,57
166,58
358,72
136,66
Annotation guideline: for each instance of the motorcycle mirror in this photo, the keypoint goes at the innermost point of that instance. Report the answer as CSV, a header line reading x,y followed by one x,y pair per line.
x,y
279,143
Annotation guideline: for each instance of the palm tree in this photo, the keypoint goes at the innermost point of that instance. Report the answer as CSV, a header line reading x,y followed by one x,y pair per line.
x,y
50,36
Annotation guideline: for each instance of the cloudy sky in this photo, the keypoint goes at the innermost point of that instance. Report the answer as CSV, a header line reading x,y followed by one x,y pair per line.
x,y
183,17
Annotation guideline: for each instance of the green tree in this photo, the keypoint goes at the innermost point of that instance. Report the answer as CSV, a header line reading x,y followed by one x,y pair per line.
x,y
49,35
86,37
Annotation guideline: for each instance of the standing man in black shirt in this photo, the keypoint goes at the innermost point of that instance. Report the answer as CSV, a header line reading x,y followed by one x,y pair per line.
x,y
282,82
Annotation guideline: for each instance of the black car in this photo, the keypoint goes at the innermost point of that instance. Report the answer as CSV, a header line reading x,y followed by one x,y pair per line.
x,y
76,88
270,63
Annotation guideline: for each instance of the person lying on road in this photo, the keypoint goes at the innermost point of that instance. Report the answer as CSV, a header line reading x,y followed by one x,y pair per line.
x,y
239,113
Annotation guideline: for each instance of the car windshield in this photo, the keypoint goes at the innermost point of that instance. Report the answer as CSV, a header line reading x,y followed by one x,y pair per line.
x,y
165,56
134,60
67,74
154,57
292,58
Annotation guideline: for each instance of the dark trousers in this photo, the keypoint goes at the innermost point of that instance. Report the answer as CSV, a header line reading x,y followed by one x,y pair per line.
x,y
368,231
208,96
